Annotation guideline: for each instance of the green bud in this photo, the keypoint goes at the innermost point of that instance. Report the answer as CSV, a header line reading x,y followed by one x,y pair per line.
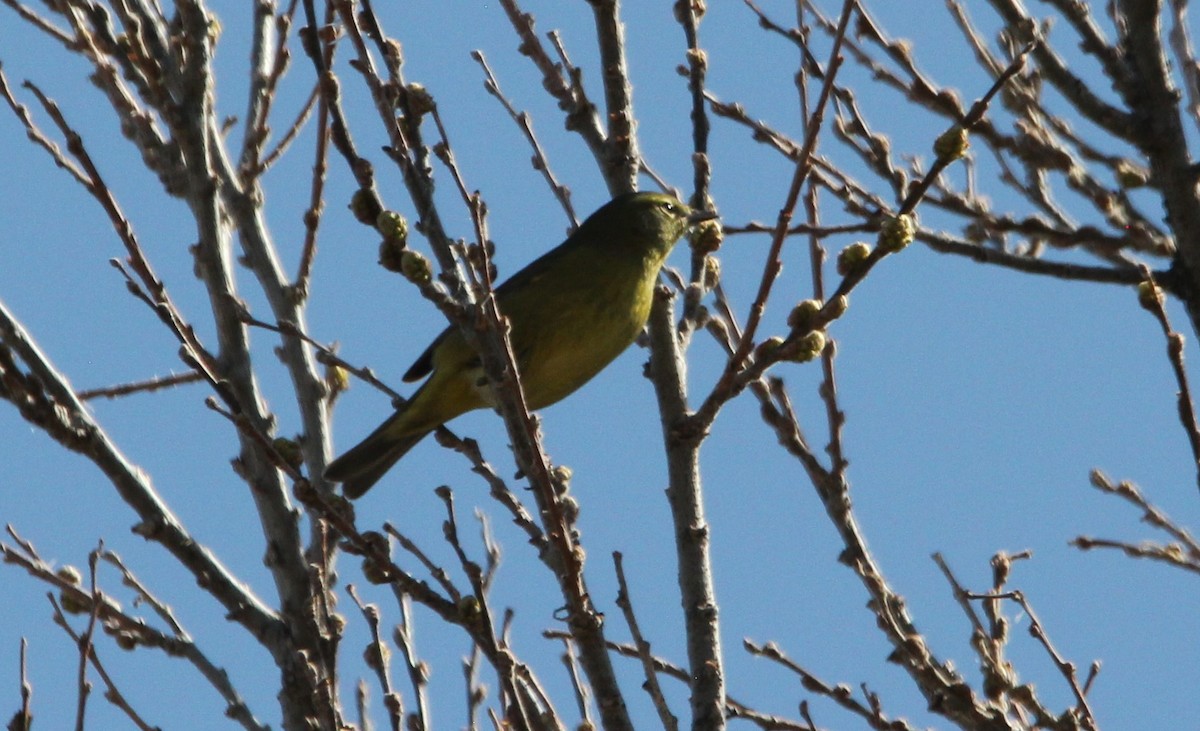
x,y
561,475
72,603
809,347
420,101
838,306
994,685
375,572
952,144
975,232
1150,296
897,232
803,315
767,347
393,226
442,152
1130,175
376,655
69,574
1024,694
852,257
570,508
305,492
706,236
415,267
365,206
468,608
289,449
1025,31
375,542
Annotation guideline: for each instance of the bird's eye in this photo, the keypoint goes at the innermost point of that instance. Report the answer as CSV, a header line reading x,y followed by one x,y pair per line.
x,y
668,206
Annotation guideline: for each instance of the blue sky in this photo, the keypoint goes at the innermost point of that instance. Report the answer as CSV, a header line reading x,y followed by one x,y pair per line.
x,y
978,399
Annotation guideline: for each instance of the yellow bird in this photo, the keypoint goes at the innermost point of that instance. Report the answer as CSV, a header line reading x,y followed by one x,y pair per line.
x,y
572,312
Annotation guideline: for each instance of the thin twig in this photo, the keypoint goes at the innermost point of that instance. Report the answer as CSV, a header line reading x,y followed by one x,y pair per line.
x,y
579,687
1065,667
540,162
418,671
668,719
1184,550
23,719
840,694
316,202
733,708
153,384
725,384
377,659
1151,298
38,136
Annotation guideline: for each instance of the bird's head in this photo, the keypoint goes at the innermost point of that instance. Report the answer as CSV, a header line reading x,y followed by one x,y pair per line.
x,y
653,221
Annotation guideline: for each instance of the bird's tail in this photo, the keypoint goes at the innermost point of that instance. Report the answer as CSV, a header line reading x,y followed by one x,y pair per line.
x,y
362,466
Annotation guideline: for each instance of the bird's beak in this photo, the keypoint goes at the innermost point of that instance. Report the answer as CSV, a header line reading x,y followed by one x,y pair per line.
x,y
697,216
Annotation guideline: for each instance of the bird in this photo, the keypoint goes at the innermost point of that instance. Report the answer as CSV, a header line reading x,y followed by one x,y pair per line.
x,y
571,312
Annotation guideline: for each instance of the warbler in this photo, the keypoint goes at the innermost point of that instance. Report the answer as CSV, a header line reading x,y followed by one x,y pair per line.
x,y
572,312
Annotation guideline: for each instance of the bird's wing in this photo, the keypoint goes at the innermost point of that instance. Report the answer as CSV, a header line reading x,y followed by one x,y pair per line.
x,y
423,365
525,284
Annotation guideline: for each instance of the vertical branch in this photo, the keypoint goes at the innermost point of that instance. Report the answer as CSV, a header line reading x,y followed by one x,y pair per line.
x,y
402,636
1151,297
217,197
688,13
622,156
697,591
1158,133
265,69
682,444
579,686
198,133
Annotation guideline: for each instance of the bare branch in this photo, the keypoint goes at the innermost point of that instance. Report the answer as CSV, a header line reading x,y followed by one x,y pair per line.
x,y
540,162
150,385
669,721
1182,552
1151,298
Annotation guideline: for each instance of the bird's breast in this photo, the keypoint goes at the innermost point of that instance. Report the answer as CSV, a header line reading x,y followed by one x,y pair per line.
x,y
575,337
